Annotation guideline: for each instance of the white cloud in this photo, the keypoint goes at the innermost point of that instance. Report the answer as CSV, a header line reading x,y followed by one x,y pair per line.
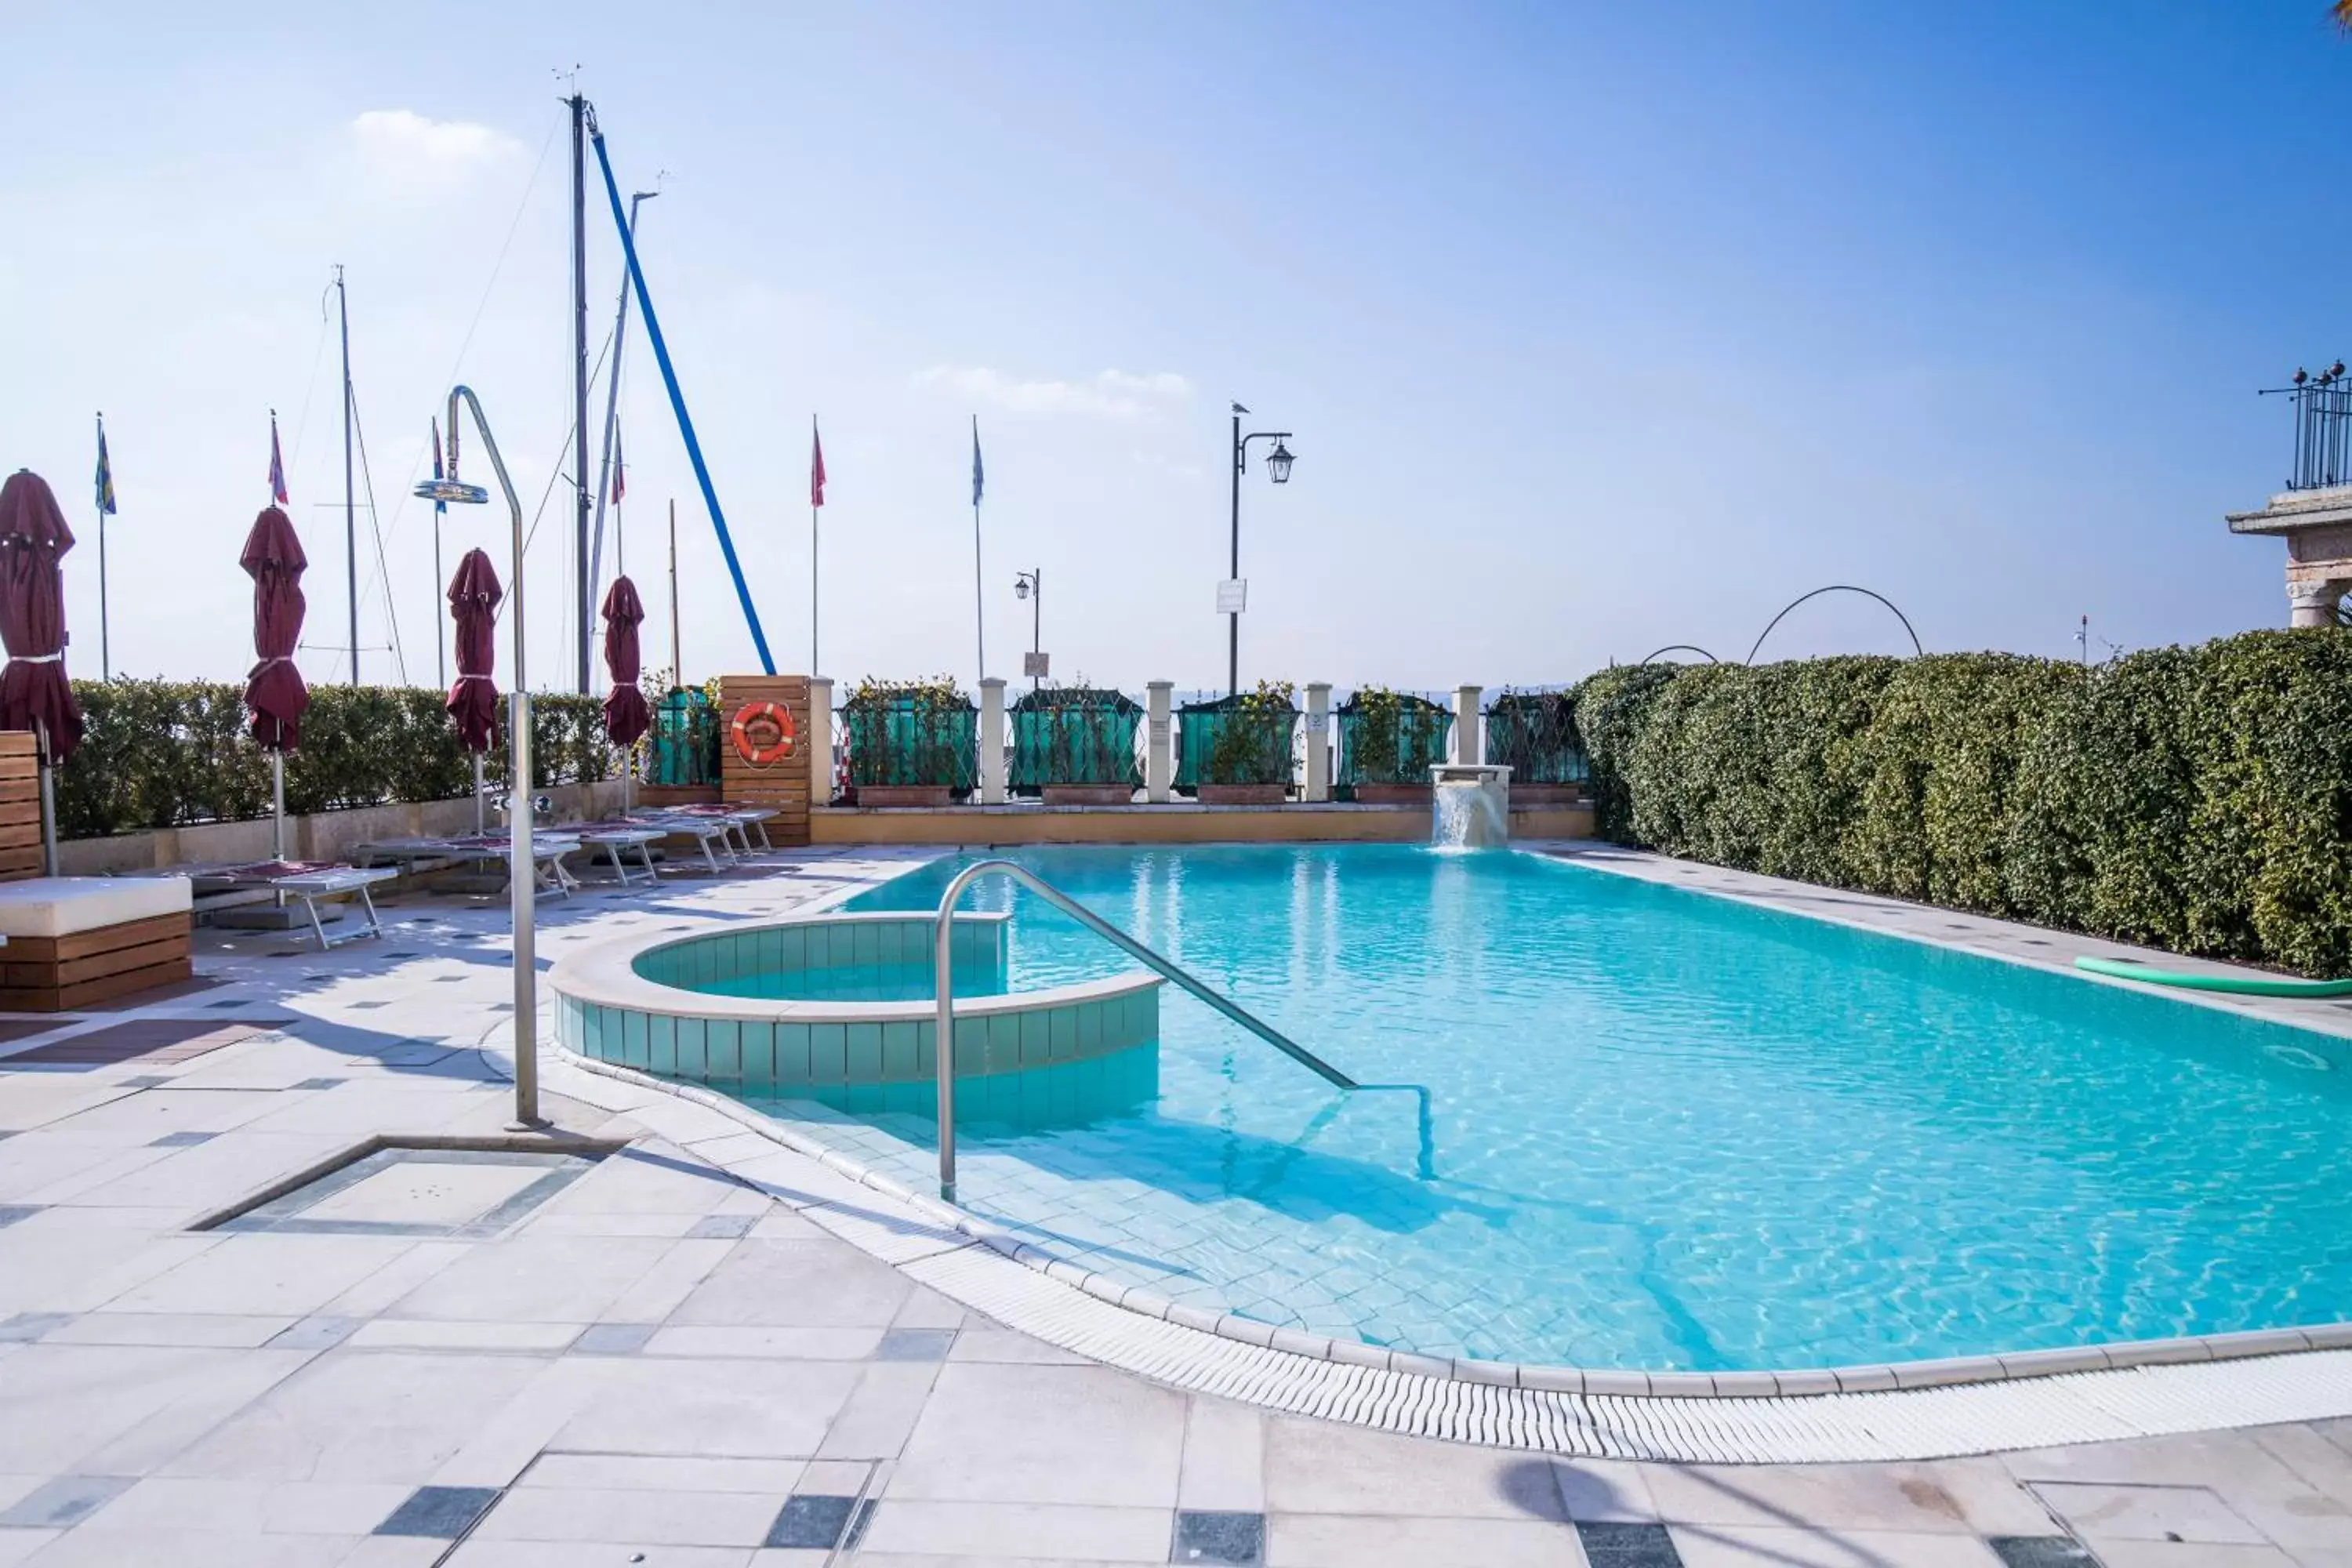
x,y
404,146
1108,395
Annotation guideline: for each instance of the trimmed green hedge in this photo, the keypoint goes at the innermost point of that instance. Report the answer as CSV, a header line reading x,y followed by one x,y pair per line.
x,y
2198,799
166,754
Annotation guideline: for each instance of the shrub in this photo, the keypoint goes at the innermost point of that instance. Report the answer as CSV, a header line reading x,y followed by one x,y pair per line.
x,y
2195,798
169,754
1253,730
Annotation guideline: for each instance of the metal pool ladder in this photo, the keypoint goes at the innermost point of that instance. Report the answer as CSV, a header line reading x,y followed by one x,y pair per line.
x,y
942,977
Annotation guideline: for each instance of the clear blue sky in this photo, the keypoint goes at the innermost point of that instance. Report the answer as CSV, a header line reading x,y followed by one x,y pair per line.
x,y
1599,328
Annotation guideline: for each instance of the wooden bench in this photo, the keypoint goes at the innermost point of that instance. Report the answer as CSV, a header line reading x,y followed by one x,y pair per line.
x,y
75,941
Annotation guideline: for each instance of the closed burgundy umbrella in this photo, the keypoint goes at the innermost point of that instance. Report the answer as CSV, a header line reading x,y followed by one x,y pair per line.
x,y
274,695
625,715
33,692
474,595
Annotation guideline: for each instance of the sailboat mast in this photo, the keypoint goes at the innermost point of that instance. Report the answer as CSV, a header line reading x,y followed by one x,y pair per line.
x,y
351,510
612,414
585,604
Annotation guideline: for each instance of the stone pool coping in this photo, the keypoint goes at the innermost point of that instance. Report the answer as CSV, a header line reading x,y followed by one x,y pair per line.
x,y
2249,1396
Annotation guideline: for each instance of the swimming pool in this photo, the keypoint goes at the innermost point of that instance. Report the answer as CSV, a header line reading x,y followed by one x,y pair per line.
x,y
1668,1131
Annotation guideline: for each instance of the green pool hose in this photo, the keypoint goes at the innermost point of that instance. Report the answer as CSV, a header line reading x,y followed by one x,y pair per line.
x,y
2236,985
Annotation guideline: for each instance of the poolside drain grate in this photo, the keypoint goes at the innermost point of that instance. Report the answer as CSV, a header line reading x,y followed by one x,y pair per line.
x,y
161,1041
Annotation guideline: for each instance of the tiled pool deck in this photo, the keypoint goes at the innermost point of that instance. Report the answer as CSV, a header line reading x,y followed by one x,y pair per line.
x,y
707,1349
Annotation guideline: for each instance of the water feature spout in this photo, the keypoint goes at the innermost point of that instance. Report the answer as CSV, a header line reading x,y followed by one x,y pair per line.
x,y
1470,805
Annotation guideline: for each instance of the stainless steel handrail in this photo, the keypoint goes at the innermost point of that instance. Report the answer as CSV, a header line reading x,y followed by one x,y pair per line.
x,y
942,973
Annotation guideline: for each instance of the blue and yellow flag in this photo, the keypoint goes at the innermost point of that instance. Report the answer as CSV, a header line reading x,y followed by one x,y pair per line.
x,y
105,473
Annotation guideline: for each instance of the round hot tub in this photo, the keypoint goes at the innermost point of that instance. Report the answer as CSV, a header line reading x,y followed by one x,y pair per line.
x,y
801,1006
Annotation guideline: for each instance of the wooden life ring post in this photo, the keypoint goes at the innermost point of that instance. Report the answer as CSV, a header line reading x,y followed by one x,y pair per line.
x,y
764,757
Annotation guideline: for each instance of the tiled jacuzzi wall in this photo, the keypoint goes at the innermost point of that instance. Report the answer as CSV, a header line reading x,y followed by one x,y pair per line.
x,y
629,1002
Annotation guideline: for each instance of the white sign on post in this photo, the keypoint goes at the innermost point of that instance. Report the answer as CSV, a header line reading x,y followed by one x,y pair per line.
x,y
1233,596
1034,666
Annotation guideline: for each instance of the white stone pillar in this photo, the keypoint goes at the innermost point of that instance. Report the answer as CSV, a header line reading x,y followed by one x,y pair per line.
x,y
816,742
1469,742
1159,740
2313,603
1318,742
991,740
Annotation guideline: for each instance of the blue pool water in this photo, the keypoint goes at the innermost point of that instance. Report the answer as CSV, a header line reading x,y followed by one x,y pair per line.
x,y
1668,1131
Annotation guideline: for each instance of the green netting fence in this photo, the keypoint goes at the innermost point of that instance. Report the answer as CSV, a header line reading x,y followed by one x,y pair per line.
x,y
1246,738
1534,734
1389,738
1074,735
683,745
912,738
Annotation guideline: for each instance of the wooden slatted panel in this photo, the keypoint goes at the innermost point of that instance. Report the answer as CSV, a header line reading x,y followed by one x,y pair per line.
x,y
784,786
20,806
44,974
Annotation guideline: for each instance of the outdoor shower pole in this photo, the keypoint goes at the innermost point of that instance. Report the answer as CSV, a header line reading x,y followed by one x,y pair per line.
x,y
522,881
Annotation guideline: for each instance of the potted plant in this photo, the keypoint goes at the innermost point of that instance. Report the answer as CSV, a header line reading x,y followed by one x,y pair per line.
x,y
911,744
1074,745
1534,734
1387,742
1248,755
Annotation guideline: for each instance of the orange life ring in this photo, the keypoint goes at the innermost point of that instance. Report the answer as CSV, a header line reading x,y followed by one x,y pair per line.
x,y
777,718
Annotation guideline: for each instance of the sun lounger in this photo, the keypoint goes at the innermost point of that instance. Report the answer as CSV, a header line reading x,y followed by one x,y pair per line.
x,y
704,830
309,881
740,820
548,851
614,837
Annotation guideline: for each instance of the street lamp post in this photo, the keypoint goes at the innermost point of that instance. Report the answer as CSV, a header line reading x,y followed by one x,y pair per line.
x,y
1278,468
1031,584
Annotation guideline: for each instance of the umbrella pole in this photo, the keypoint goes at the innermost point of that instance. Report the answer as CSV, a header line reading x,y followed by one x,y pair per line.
x,y
48,804
481,820
277,802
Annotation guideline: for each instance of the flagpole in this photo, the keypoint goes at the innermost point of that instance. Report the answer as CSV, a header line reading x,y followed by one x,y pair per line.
x,y
815,503
978,613
105,485
351,513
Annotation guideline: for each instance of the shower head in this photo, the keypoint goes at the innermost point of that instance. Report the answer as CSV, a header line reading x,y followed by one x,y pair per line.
x,y
452,492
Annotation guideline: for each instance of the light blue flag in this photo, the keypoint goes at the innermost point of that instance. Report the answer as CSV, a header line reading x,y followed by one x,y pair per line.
x,y
976,473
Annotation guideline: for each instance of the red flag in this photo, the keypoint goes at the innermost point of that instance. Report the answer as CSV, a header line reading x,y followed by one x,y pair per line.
x,y
620,485
817,465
